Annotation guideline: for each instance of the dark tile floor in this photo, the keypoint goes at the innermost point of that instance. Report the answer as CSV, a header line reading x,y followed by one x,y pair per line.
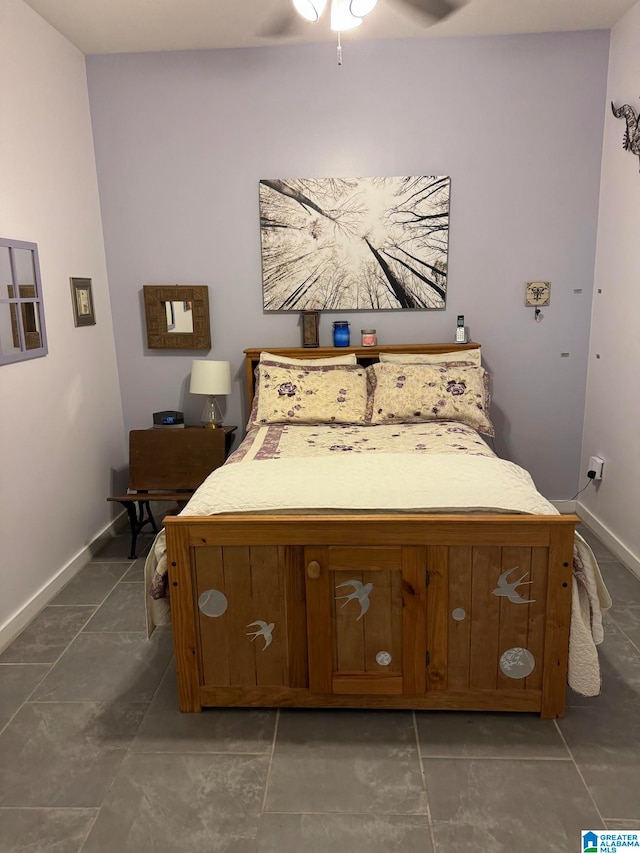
x,y
95,757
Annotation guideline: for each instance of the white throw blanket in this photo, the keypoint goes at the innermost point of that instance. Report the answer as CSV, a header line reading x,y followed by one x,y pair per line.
x,y
435,482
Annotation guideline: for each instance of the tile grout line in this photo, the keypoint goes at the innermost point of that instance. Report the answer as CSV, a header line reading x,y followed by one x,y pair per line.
x,y
575,764
49,808
268,779
497,757
635,645
92,823
155,693
424,781
97,606
273,749
357,813
196,751
115,632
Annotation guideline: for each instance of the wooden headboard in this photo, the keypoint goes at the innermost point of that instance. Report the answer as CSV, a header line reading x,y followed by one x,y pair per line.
x,y
364,355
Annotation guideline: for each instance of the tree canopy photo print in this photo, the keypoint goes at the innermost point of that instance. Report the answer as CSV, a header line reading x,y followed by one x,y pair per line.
x,y
333,244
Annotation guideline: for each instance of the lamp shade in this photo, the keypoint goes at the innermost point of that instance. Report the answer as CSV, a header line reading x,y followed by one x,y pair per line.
x,y
210,377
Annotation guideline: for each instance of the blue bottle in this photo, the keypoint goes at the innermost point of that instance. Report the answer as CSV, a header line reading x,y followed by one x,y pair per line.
x,y
341,335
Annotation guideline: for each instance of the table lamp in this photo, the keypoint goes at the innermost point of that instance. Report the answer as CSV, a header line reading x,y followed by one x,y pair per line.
x,y
211,378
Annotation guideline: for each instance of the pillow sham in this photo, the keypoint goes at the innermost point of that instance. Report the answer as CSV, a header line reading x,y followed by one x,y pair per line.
x,y
310,394
347,358
413,393
469,355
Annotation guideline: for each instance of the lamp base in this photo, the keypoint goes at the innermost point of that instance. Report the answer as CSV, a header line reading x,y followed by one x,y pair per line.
x,y
211,414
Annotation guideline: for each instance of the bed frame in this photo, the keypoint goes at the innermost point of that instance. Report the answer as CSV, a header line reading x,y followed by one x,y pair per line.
x,y
435,636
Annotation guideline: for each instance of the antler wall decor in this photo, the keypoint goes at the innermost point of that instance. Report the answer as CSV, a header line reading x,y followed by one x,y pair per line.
x,y
631,138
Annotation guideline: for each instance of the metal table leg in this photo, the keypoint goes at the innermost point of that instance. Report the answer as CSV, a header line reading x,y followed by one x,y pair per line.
x,y
138,518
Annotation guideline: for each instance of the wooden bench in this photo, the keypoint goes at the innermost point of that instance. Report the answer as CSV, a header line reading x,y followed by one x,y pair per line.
x,y
168,465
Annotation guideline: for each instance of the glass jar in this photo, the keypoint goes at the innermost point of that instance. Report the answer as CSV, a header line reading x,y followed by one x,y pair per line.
x,y
368,337
341,336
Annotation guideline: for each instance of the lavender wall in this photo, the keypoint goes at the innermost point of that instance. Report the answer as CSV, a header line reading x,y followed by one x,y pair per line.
x,y
182,140
613,402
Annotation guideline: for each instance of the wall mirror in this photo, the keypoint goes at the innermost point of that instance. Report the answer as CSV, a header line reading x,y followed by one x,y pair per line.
x,y
22,331
177,316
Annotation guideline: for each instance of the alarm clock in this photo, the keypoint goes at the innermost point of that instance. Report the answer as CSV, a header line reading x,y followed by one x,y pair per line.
x,y
168,419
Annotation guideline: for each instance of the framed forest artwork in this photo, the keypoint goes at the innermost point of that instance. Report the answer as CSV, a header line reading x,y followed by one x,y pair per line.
x,y
333,244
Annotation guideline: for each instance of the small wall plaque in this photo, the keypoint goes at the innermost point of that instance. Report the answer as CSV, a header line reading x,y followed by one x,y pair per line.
x,y
310,321
82,298
537,293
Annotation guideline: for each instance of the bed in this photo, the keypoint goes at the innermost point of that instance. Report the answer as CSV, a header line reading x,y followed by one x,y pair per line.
x,y
386,559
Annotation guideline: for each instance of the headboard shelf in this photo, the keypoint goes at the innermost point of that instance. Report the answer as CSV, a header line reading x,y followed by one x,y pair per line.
x,y
364,355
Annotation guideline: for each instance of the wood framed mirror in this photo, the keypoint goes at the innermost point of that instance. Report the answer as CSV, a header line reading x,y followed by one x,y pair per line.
x,y
177,316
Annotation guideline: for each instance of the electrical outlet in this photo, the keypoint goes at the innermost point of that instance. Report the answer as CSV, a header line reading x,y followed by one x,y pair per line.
x,y
596,464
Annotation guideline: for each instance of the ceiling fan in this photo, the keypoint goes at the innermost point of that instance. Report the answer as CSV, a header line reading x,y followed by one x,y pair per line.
x,y
348,14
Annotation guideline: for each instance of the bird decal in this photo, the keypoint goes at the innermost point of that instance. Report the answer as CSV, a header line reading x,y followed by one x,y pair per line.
x,y
360,593
509,589
264,630
631,139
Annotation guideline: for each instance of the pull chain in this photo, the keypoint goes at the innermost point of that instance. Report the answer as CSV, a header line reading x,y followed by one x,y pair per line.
x,y
339,51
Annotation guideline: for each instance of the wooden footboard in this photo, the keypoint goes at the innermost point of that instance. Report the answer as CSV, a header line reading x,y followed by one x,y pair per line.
x,y
468,612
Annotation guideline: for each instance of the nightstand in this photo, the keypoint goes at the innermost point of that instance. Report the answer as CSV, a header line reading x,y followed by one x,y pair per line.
x,y
228,431
169,465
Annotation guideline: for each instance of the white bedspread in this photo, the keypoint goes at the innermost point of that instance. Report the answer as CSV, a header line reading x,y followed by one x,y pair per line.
x,y
385,481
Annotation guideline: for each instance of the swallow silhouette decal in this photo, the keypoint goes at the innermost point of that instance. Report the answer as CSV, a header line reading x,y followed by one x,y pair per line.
x,y
264,630
360,593
509,589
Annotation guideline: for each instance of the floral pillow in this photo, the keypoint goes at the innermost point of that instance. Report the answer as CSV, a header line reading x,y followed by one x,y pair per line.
x,y
413,393
310,395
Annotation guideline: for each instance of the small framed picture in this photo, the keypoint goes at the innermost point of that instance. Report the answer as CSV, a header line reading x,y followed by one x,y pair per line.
x,y
310,321
82,300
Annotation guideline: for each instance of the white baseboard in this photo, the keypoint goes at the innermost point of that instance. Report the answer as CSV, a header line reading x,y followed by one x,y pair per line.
x,y
21,618
609,539
564,507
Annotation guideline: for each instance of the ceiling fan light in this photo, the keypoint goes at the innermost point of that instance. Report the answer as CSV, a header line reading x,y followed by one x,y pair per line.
x,y
360,8
341,17
311,10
